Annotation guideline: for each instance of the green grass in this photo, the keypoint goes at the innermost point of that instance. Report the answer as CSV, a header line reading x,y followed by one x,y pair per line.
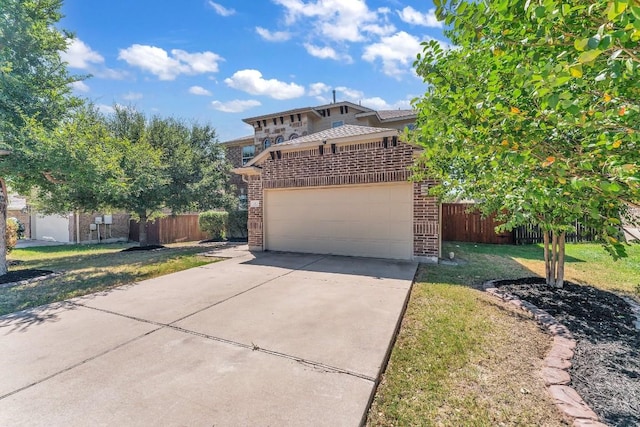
x,y
463,358
91,268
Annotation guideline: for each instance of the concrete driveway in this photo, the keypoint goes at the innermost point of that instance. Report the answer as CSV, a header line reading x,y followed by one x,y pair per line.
x,y
270,339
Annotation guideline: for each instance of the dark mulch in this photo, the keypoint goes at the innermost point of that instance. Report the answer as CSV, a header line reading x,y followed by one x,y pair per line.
x,y
231,239
142,248
606,364
20,275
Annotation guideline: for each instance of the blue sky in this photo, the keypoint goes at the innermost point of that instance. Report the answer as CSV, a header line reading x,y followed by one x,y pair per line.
x,y
220,61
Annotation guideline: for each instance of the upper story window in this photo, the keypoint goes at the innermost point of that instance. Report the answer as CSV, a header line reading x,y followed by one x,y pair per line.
x,y
280,140
293,136
266,143
248,151
410,126
337,123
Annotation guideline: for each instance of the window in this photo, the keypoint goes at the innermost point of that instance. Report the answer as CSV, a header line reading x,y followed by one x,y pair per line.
x,y
346,109
280,140
337,124
281,120
293,136
410,126
266,143
275,121
299,118
291,117
248,151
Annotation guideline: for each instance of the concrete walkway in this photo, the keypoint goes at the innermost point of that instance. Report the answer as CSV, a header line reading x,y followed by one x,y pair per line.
x,y
270,340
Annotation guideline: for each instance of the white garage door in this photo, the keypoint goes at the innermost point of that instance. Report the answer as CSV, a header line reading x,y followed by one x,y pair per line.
x,y
369,221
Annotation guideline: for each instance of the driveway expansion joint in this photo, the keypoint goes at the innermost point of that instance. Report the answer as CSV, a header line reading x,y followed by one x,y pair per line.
x,y
76,365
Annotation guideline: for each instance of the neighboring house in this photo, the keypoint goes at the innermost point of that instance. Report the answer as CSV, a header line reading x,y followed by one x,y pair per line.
x,y
71,228
344,190
277,128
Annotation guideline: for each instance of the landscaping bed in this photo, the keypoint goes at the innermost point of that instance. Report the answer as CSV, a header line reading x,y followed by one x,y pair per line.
x,y
606,364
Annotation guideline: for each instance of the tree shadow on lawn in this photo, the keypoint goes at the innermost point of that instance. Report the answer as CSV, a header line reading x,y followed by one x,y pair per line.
x,y
35,298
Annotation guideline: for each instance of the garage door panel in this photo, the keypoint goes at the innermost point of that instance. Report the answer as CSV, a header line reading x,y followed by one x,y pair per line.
x,y
374,221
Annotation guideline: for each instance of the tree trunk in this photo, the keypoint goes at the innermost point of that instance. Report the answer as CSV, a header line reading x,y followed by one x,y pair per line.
x,y
554,258
3,227
547,257
560,274
143,230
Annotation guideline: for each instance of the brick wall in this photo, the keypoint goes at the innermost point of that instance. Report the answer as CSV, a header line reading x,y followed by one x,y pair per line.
x,y
426,222
255,216
362,163
118,231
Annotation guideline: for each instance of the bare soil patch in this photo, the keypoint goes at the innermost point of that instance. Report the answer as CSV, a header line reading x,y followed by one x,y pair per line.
x,y
606,363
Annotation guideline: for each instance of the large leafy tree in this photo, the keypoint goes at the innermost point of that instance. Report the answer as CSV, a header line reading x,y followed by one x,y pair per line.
x,y
171,166
536,113
33,86
84,163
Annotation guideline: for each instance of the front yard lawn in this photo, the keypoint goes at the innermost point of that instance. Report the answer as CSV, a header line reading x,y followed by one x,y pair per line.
x,y
463,358
91,268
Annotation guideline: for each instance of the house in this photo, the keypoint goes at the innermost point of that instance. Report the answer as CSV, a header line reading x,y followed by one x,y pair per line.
x,y
344,190
277,128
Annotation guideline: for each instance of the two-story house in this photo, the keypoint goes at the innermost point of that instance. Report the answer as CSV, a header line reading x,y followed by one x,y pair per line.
x,y
276,128
336,179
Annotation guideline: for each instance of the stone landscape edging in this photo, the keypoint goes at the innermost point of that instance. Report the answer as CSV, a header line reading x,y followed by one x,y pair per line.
x,y
557,363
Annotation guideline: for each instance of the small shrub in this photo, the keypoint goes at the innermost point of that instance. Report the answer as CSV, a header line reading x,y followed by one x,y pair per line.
x,y
11,234
237,226
214,224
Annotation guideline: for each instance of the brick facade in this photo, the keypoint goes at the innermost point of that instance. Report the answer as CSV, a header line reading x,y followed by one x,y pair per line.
x,y
255,216
117,231
367,162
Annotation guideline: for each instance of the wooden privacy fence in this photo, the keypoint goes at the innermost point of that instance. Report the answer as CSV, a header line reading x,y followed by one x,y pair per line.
x,y
461,224
170,229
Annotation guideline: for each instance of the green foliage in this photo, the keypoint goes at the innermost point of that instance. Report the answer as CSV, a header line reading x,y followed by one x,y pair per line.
x,y
214,223
34,84
170,165
237,224
11,233
85,163
536,111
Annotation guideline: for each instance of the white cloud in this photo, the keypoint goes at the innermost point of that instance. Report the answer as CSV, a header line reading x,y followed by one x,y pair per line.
x,y
273,36
132,96
337,20
252,82
414,17
376,103
158,62
105,109
80,86
221,10
235,106
199,90
80,55
397,53
316,89
326,52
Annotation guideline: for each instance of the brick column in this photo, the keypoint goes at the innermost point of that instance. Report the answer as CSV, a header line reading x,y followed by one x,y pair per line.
x,y
255,222
426,223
